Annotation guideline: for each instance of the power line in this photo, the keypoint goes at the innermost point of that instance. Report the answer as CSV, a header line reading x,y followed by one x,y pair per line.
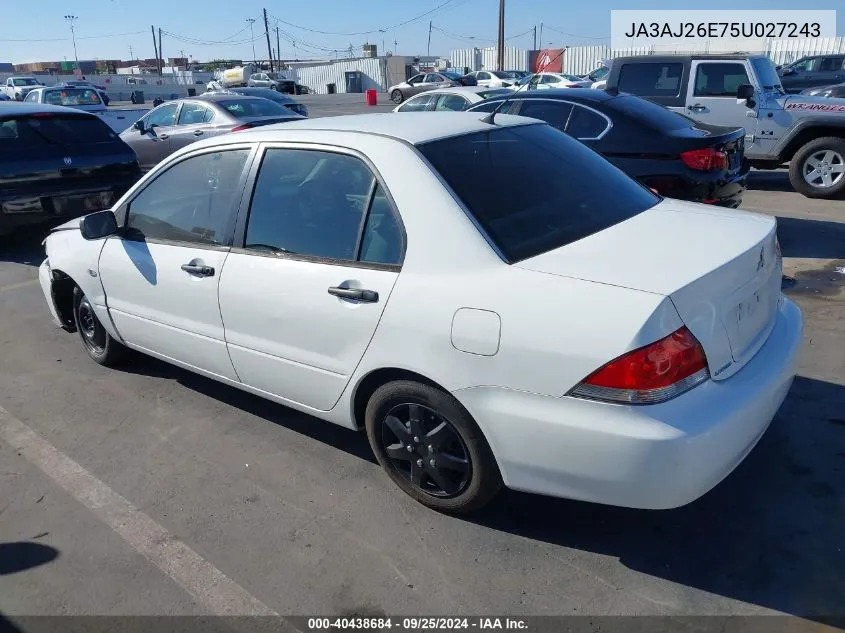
x,y
586,37
66,39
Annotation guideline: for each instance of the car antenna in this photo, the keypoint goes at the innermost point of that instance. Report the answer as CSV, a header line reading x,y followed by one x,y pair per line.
x,y
489,118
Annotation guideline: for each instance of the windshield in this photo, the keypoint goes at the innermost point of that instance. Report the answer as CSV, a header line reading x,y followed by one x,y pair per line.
x,y
766,73
72,97
501,74
25,81
242,108
557,212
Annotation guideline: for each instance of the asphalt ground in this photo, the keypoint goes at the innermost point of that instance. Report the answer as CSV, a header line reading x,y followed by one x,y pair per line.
x,y
152,491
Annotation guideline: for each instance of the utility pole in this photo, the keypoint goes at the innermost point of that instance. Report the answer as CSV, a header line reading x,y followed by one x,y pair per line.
x,y
535,37
278,49
131,55
428,48
541,33
252,39
395,44
70,20
500,61
155,48
267,33
161,54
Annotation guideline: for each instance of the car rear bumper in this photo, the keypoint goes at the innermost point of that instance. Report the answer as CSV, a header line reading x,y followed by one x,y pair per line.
x,y
656,456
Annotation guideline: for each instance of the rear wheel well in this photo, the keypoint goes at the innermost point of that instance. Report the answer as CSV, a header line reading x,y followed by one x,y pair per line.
x,y
375,379
808,134
62,289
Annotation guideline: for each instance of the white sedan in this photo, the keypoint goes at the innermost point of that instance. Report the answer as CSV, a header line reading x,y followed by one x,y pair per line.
x,y
543,81
597,343
450,99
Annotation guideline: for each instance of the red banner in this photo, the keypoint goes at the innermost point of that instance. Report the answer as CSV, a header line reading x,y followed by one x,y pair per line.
x,y
547,60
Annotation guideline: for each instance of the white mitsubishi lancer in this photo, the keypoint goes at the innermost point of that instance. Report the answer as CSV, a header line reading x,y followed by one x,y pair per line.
x,y
585,339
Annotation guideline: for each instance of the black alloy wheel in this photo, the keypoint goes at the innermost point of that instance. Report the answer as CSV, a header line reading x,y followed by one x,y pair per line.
x,y
426,450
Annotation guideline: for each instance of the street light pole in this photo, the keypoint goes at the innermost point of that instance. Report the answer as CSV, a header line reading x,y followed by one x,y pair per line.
x,y
251,22
70,20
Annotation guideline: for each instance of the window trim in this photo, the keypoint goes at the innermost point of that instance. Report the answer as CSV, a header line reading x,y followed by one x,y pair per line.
x,y
709,62
125,207
245,206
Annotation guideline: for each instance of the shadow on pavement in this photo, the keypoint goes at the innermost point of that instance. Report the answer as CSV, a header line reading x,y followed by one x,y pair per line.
x,y
23,555
772,534
811,238
24,245
352,442
775,180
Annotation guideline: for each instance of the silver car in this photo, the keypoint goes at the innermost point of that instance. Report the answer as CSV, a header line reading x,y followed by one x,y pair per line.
x,y
174,124
420,83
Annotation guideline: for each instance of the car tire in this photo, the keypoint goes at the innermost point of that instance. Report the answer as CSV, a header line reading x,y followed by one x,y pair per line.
x,y
448,447
820,156
98,343
397,97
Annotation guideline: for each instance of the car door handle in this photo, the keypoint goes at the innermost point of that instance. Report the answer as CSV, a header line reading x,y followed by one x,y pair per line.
x,y
199,270
365,296
198,133
696,108
164,137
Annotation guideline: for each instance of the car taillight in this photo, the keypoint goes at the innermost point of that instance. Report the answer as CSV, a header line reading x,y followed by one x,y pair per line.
x,y
707,159
242,126
654,373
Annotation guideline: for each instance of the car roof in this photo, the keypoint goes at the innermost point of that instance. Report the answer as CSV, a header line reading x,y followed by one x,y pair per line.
x,y
411,127
456,90
576,94
15,108
220,96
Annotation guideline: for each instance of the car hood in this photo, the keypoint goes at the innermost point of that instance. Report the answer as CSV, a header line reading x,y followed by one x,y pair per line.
x,y
813,103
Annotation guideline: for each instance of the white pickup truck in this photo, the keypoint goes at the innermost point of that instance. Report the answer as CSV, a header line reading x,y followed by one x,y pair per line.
x,y
88,99
16,88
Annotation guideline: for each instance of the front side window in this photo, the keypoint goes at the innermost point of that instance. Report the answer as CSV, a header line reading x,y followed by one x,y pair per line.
x,y
543,218
804,66
549,79
316,215
193,201
416,79
651,79
417,104
719,80
163,116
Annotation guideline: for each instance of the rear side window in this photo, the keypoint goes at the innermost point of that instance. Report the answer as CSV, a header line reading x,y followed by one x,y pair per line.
x,y
542,218
831,63
72,97
451,102
586,124
652,79
253,107
555,113
719,80
58,131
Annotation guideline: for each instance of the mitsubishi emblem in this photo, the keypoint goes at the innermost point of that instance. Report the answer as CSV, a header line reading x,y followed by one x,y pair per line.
x,y
762,261
68,161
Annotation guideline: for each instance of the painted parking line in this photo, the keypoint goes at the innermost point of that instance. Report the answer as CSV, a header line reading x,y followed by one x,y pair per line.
x,y
217,592
22,284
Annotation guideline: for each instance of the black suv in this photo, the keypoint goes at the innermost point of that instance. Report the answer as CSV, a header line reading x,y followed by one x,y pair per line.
x,y
815,70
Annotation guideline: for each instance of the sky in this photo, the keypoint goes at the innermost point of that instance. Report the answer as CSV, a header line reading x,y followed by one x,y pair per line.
x,y
214,29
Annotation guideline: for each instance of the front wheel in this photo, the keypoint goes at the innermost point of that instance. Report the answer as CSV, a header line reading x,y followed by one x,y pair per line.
x,y
396,97
429,445
817,169
100,345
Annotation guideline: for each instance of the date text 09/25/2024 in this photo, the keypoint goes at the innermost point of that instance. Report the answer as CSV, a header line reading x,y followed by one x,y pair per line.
x,y
416,624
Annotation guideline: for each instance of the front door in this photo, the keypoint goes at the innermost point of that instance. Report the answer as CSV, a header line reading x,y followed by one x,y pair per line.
x,y
153,144
193,124
301,293
161,273
711,98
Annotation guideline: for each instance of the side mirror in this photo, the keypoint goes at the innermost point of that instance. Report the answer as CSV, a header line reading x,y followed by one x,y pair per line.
x,y
139,125
98,225
745,92
788,71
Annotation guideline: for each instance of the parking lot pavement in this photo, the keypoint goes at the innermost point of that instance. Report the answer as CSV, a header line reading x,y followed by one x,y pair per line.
x,y
153,490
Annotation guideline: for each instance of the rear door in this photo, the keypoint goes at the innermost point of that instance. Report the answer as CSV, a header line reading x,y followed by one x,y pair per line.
x,y
301,293
195,121
830,70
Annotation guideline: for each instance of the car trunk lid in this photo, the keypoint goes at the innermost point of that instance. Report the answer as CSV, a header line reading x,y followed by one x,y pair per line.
x,y
719,268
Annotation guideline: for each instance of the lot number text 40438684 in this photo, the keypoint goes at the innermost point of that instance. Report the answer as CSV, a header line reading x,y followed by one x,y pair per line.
x,y
417,624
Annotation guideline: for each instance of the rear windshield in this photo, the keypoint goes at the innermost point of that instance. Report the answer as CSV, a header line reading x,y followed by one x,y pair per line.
x,y
72,97
575,192
649,113
243,108
45,131
24,82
